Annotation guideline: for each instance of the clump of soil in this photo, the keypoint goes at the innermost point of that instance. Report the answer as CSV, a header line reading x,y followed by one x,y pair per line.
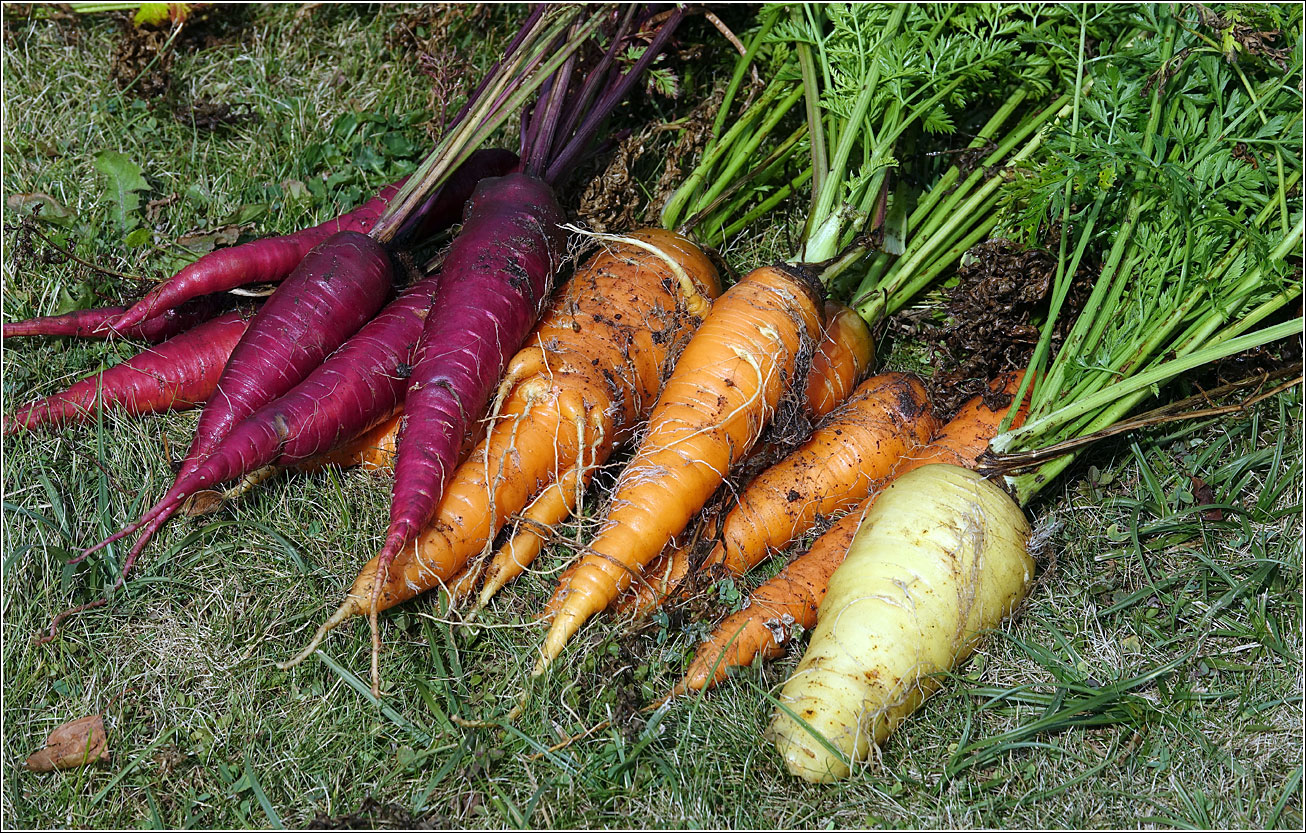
x,y
140,62
144,55
991,319
210,115
374,815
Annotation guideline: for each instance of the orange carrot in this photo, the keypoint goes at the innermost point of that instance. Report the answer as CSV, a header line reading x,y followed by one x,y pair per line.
x,y
790,600
712,411
849,455
844,354
586,379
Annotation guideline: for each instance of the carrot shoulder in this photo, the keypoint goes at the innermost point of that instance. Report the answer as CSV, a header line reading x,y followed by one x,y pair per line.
x,y
715,406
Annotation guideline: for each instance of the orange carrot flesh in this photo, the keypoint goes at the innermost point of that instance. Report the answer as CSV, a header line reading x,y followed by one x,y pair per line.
x,y
716,404
789,600
849,456
584,381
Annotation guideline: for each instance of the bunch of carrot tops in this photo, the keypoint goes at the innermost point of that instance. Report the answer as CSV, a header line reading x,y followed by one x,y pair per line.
x,y
1128,142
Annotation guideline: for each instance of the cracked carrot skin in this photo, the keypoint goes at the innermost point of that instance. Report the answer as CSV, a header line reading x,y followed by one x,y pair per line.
x,y
789,601
586,379
714,408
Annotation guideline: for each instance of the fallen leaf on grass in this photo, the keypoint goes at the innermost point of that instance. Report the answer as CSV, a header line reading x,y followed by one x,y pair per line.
x,y
75,743
1203,493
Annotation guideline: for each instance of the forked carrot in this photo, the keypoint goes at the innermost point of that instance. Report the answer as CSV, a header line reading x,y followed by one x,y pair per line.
x,y
588,376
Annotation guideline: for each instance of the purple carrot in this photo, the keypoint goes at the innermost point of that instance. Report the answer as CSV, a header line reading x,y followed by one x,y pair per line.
x,y
498,275
179,373
94,323
357,387
328,297
271,259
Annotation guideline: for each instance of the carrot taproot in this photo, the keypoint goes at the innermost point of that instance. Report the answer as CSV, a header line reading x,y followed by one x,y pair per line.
x,y
587,378
373,450
789,601
753,348
94,323
326,299
272,259
849,455
842,358
179,373
920,583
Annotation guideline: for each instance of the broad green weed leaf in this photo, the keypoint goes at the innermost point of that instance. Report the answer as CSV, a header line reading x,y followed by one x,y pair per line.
x,y
125,180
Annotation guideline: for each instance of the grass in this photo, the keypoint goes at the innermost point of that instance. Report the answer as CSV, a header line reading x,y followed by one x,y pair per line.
x,y
1154,678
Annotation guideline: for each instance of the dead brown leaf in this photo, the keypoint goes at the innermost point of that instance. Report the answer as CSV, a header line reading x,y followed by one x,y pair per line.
x,y
75,743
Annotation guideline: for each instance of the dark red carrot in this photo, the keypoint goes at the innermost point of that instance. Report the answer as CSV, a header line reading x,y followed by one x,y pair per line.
x,y
498,275
357,387
179,373
271,259
94,323
328,297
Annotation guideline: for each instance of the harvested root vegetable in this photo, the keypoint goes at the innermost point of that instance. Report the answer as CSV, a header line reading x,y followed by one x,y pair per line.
x,y
843,356
94,323
373,450
940,557
579,388
499,275
790,600
272,259
713,410
849,456
179,373
329,296
358,386
845,353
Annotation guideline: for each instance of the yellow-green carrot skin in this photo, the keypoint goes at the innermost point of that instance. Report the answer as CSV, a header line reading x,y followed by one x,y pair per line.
x,y
939,558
